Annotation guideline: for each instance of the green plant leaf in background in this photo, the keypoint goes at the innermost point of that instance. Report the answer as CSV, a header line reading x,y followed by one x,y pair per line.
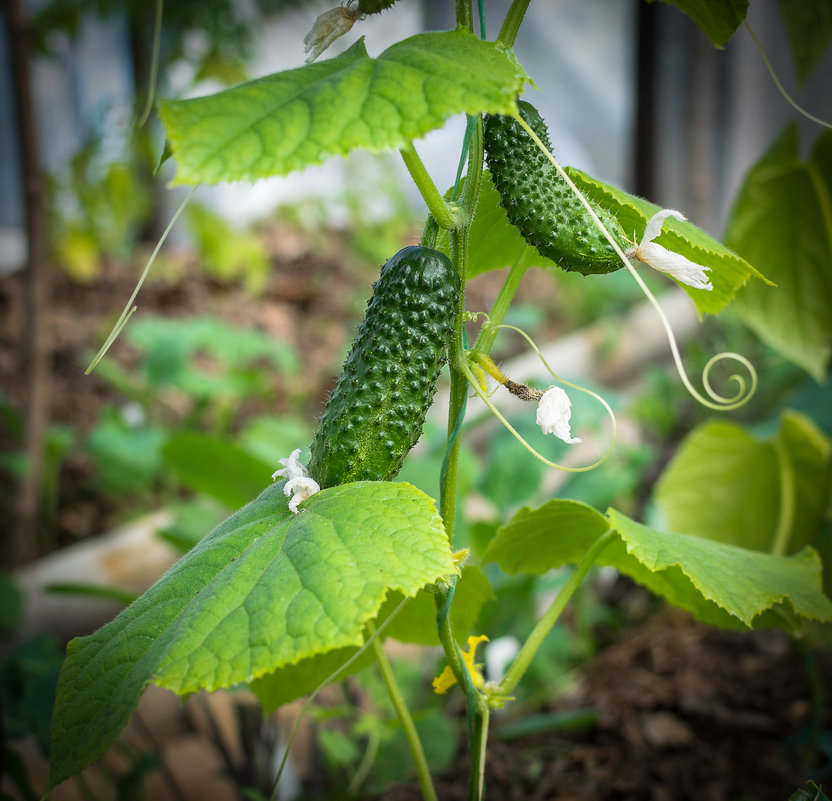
x,y
717,18
813,792
782,222
728,270
226,252
217,467
292,119
809,28
128,457
766,494
265,589
719,584
271,438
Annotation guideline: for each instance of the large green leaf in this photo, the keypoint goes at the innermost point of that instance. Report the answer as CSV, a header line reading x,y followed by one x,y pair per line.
x,y
717,18
728,270
782,222
264,590
292,119
746,480
720,584
809,28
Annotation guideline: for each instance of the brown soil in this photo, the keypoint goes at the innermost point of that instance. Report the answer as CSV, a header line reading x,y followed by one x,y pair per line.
x,y
685,713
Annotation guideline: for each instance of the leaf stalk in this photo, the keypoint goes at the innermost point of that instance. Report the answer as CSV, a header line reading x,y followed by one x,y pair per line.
x,y
553,613
409,728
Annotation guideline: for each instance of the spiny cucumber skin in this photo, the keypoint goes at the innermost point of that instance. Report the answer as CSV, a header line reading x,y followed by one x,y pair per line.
x,y
374,6
539,202
374,415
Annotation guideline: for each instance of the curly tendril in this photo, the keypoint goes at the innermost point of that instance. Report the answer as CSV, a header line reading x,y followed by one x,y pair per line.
x,y
473,369
714,400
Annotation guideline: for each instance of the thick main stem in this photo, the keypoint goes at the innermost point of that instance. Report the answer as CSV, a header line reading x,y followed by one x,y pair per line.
x,y
409,728
544,625
459,387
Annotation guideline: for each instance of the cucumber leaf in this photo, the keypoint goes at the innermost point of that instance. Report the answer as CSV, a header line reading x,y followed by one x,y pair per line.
x,y
718,19
728,270
720,584
809,29
747,480
303,116
782,221
266,589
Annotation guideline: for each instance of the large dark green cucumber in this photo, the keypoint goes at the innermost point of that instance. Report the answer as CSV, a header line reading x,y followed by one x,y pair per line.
x,y
374,415
538,201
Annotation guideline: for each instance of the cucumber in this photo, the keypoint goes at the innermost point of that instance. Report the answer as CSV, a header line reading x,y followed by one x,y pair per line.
x,y
539,202
374,6
374,415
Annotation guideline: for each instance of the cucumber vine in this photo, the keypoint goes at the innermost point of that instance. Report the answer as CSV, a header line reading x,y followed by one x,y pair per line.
x,y
288,595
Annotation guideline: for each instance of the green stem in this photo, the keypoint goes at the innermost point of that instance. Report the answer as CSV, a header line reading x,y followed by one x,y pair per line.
x,y
479,743
459,237
512,22
154,65
785,520
363,769
544,626
485,340
464,15
473,179
435,202
458,393
413,741
476,705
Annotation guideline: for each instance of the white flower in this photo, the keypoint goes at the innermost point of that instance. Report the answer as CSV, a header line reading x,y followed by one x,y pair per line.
x,y
300,489
553,412
660,258
327,28
300,486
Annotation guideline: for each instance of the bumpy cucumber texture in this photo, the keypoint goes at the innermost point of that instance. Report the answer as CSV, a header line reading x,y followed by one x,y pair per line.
x,y
374,415
374,6
538,201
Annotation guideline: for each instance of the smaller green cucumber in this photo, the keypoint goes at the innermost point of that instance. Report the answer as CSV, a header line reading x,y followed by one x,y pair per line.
x,y
540,204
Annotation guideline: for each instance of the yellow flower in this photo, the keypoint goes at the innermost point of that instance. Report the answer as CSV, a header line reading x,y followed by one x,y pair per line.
x,y
446,679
